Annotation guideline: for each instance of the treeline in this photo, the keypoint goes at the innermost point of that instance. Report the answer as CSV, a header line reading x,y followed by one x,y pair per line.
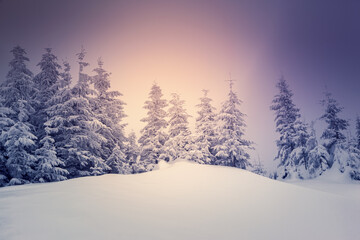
x,y
299,152
54,128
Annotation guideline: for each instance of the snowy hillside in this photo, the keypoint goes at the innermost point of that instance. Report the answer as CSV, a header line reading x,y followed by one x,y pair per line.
x,y
182,201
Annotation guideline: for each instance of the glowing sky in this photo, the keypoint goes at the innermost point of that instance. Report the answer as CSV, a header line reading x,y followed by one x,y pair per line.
x,y
186,46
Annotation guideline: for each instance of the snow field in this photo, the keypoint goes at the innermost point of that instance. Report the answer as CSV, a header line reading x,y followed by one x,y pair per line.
x,y
179,201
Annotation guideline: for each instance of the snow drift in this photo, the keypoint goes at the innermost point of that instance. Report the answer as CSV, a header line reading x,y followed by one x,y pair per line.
x,y
180,201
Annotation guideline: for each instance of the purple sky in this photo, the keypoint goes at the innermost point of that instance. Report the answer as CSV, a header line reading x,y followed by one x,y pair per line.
x,y
313,43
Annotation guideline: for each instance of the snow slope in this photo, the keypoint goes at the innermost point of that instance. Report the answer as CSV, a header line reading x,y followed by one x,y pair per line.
x,y
181,201
333,181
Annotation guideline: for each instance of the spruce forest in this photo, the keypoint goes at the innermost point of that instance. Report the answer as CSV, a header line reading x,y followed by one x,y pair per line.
x,y
55,126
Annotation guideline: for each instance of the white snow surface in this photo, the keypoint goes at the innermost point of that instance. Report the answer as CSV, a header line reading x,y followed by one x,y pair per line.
x,y
181,201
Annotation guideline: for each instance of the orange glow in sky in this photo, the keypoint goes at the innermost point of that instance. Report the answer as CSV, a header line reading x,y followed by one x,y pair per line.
x,y
184,46
184,50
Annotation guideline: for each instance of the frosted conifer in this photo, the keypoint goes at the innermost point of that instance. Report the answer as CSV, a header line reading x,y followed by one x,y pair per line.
x,y
179,144
333,137
153,136
19,143
109,110
292,155
48,165
231,147
205,131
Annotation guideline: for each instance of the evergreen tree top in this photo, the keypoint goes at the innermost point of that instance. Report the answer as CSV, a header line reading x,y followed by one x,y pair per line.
x,y
286,111
81,56
178,117
156,94
155,105
102,83
206,111
230,111
19,83
49,70
156,114
82,87
335,123
17,65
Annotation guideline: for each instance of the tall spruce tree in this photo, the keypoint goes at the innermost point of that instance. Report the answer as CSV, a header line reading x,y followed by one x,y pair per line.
x,y
292,155
51,85
153,136
58,111
333,137
17,133
74,127
49,166
205,131
85,143
353,162
179,144
358,132
19,143
47,85
5,123
231,147
109,110
354,150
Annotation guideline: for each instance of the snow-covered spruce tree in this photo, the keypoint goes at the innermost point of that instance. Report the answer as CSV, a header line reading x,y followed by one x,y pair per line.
x,y
109,110
293,134
299,155
5,123
16,105
354,153
118,162
353,163
48,166
50,84
86,141
125,162
318,156
46,87
179,144
48,75
59,109
153,136
333,137
205,131
18,83
231,147
75,129
358,132
19,143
